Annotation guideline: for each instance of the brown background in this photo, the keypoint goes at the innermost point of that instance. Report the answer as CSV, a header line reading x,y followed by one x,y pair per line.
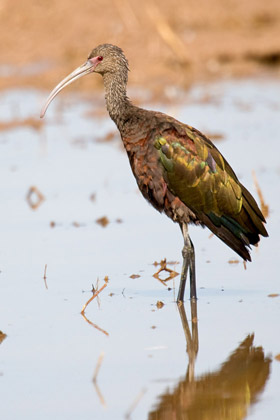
x,y
166,42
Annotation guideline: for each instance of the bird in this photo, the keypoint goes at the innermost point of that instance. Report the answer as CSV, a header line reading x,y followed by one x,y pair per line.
x,y
229,392
177,168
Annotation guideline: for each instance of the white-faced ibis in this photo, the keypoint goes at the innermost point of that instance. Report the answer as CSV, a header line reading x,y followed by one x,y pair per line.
x,y
177,168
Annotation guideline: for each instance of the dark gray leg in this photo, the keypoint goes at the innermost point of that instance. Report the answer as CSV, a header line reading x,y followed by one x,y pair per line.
x,y
188,262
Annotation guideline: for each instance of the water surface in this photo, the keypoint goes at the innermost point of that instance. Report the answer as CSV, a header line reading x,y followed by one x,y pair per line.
x,y
50,353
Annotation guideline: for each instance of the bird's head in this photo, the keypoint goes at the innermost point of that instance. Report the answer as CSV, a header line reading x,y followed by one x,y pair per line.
x,y
105,58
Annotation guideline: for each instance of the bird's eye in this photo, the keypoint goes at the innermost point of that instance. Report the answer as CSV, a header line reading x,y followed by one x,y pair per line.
x,y
100,58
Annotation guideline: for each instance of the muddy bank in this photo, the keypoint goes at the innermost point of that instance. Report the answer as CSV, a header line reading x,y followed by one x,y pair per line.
x,y
166,45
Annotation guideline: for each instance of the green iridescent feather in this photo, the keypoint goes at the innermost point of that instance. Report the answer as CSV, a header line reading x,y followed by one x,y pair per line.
x,y
196,172
198,176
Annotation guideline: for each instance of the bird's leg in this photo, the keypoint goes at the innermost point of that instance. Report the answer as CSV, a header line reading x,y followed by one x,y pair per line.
x,y
192,273
188,262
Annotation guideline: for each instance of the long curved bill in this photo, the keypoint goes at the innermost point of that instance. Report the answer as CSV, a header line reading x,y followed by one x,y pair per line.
x,y
86,68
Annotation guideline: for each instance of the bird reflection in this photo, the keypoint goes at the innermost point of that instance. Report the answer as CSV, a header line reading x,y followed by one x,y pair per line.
x,y
2,336
224,394
191,336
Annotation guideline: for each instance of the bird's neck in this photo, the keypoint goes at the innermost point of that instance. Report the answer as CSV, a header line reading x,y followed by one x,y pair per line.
x,y
117,103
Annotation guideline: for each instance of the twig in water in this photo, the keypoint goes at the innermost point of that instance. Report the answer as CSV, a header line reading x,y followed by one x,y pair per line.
x,y
96,293
100,396
45,276
134,404
98,365
94,379
264,206
34,197
163,267
94,325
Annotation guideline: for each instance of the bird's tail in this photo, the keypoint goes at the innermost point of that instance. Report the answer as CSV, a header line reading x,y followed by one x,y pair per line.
x,y
242,230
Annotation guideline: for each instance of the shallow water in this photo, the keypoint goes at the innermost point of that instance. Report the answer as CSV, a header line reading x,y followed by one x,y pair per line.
x,y
138,355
